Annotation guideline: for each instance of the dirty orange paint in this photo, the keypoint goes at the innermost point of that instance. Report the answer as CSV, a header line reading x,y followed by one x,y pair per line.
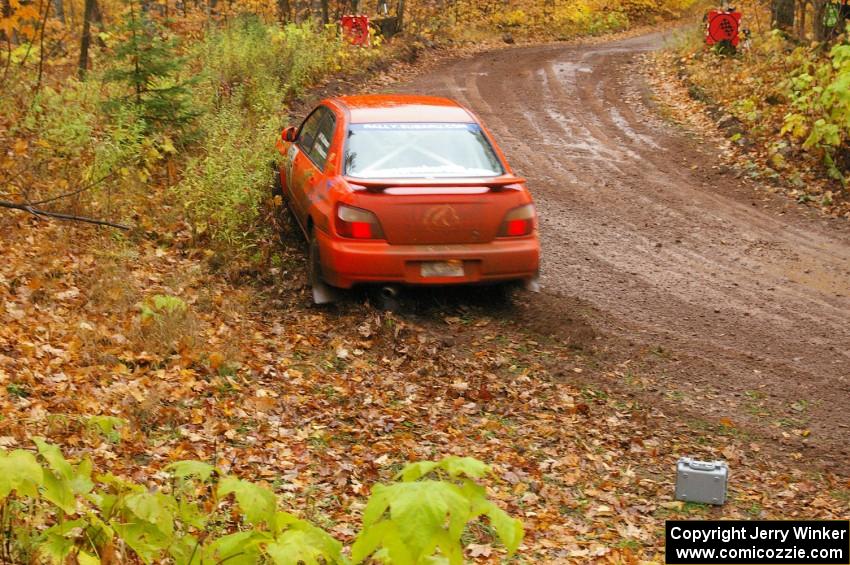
x,y
407,189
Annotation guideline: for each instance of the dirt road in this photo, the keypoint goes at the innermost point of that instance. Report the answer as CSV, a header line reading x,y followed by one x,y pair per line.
x,y
738,300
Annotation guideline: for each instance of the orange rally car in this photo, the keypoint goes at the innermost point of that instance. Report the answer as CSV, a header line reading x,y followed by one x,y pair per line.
x,y
399,189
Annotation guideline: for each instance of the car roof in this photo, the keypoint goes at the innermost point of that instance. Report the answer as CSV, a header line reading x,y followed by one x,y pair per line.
x,y
378,108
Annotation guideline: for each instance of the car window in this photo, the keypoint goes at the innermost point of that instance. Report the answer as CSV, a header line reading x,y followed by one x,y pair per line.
x,y
419,150
319,152
307,133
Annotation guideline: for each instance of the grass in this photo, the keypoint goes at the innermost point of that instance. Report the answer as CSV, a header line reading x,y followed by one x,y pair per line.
x,y
18,390
755,403
591,394
790,423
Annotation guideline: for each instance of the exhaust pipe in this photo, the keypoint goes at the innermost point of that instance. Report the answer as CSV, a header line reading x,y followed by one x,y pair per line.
x,y
388,298
389,292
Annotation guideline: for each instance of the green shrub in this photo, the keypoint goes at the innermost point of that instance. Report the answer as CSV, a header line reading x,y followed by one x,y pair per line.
x,y
65,119
146,64
250,69
165,324
119,146
261,65
820,95
241,66
224,185
58,512
65,127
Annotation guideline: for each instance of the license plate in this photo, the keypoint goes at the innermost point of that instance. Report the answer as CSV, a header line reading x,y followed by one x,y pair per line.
x,y
442,269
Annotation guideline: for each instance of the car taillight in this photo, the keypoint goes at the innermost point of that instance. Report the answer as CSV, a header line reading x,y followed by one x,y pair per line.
x,y
357,223
519,221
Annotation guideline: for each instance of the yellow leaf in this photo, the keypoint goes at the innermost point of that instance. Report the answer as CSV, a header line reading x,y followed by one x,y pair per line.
x,y
27,12
168,146
216,359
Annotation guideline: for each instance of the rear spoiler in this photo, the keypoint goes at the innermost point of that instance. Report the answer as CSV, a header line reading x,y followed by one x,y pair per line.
x,y
382,184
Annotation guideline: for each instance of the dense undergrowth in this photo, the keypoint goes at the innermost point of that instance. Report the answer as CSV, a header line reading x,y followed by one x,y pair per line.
x,y
557,20
57,512
212,163
192,125
106,326
788,104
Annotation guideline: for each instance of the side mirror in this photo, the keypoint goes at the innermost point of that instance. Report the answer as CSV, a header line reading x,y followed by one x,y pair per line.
x,y
290,134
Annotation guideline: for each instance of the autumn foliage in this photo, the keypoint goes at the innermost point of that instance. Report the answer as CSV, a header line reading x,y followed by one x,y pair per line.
x,y
53,511
787,105
178,365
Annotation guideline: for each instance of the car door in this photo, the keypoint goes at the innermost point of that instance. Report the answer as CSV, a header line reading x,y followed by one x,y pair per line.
x,y
313,148
297,164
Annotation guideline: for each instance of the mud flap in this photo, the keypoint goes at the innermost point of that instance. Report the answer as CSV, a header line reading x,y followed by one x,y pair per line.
x,y
532,285
324,293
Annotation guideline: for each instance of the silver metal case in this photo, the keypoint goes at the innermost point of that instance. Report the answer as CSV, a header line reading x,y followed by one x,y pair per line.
x,y
701,481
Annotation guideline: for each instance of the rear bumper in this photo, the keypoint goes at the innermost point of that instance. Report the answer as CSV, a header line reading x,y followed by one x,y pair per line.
x,y
346,262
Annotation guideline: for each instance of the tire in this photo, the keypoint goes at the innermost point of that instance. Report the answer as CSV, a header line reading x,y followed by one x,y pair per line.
x,y
314,260
323,293
503,294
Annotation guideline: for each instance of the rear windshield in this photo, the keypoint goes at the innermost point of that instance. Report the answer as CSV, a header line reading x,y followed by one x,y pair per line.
x,y
419,150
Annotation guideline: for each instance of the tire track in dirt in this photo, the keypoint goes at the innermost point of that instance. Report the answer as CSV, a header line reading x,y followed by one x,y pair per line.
x,y
749,293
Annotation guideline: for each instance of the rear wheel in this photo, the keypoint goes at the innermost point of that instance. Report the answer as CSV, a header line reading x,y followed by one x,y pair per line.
x,y
503,293
314,259
323,293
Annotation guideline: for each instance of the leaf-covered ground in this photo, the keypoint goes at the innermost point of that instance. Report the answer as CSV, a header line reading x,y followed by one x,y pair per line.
x,y
322,403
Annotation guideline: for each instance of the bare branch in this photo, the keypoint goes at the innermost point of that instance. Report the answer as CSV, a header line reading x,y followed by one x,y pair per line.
x,y
71,193
37,212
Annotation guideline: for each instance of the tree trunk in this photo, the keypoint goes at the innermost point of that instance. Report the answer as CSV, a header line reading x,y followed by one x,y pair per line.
x,y
41,45
284,11
97,17
5,12
818,27
59,9
85,39
326,12
782,15
400,15
800,22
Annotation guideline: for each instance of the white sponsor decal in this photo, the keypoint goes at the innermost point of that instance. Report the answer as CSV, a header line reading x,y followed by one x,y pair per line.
x,y
410,126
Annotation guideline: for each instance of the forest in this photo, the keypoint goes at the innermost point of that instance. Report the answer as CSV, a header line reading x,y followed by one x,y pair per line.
x,y
168,393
